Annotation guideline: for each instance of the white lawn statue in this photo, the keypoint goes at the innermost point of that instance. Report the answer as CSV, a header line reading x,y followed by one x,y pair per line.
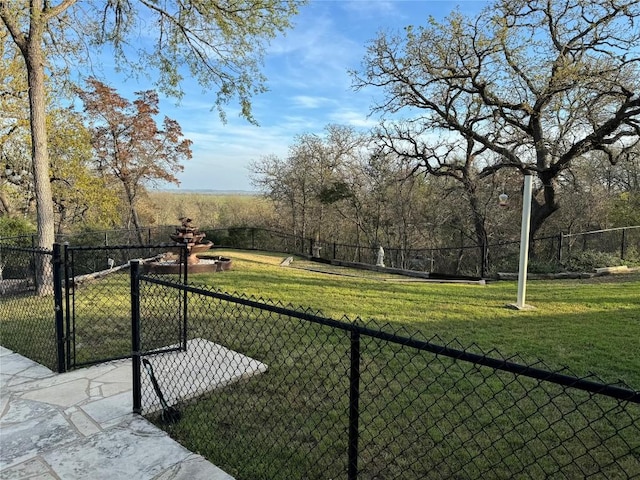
x,y
380,261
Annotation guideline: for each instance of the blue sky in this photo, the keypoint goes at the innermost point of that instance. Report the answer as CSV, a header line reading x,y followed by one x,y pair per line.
x,y
309,88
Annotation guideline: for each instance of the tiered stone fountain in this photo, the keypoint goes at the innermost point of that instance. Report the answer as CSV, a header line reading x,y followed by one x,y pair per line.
x,y
192,237
189,235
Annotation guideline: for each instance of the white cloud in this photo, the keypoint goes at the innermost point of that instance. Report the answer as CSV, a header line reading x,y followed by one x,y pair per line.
x,y
373,9
307,101
353,118
317,53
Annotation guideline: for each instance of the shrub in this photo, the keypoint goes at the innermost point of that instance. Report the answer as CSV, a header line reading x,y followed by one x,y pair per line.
x,y
544,266
16,227
632,256
589,260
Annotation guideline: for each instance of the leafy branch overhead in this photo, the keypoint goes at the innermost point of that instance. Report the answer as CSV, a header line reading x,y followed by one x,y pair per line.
x,y
219,43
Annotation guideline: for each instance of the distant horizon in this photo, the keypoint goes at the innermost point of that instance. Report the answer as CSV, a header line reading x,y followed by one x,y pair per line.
x,y
179,190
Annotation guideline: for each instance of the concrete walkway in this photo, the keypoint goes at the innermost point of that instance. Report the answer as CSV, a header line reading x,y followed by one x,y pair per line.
x,y
79,425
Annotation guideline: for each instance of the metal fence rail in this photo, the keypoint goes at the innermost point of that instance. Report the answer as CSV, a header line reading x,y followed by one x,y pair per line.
x,y
347,399
269,391
621,242
548,254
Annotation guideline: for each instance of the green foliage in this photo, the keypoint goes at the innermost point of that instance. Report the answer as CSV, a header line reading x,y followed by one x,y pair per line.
x,y
589,260
15,226
626,209
632,256
220,44
542,266
508,261
334,192
579,261
80,194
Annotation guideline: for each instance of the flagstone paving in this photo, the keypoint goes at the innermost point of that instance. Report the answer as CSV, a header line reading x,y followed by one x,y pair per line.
x,y
79,425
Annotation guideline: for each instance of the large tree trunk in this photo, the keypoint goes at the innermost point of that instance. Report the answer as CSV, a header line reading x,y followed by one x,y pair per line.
x,y
34,58
4,203
482,239
541,211
31,48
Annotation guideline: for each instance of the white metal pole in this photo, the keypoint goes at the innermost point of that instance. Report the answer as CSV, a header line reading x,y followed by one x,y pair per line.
x,y
524,241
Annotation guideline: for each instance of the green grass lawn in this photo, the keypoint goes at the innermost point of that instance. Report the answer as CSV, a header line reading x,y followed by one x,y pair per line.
x,y
474,422
589,326
27,326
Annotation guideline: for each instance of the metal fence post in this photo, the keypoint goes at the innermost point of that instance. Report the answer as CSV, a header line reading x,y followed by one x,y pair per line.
x,y
59,312
354,399
135,335
68,287
185,309
560,238
622,243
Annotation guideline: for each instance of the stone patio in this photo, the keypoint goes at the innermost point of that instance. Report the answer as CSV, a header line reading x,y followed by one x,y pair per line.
x,y
79,425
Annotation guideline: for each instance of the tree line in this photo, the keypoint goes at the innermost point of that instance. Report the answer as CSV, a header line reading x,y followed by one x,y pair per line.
x,y
340,187
101,159
221,44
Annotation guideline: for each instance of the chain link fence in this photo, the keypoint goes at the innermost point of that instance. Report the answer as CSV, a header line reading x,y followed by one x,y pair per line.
x,y
551,254
622,244
27,304
575,252
269,391
104,238
264,390
98,293
71,306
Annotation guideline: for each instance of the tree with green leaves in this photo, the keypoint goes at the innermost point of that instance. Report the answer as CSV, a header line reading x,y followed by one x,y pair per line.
x,y
82,197
530,84
14,123
221,43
